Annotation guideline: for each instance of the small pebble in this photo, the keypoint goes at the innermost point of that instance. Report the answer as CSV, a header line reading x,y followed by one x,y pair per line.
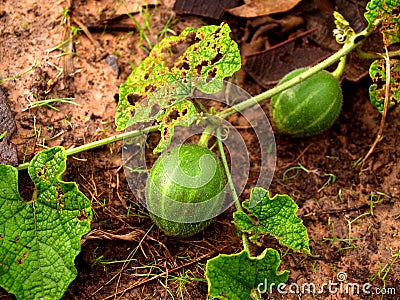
x,y
112,61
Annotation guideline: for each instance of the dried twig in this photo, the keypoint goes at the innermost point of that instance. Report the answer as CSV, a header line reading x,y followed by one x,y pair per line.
x,y
297,158
88,34
335,211
385,107
98,234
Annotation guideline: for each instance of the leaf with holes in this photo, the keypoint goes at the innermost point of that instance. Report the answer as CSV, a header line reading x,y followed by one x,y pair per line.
x,y
387,12
39,239
377,72
275,216
173,70
185,115
239,276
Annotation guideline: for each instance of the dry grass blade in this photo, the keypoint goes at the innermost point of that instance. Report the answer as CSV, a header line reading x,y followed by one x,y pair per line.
x,y
67,60
131,254
142,282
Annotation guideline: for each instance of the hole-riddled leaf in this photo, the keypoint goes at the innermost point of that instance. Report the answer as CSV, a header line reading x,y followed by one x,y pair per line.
x,y
240,277
377,72
275,216
41,238
388,12
171,72
185,112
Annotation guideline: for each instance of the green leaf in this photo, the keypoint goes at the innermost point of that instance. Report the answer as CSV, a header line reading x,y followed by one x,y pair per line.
x,y
40,239
275,216
3,135
388,13
172,71
239,276
377,71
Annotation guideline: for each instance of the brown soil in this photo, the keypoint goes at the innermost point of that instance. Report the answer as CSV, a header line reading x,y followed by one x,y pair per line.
x,y
161,267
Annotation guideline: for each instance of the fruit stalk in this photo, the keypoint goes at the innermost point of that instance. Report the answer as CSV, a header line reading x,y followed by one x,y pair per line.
x,y
340,68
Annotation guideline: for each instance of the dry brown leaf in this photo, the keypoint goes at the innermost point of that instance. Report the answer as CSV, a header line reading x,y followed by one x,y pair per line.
x,y
269,66
205,8
130,7
258,8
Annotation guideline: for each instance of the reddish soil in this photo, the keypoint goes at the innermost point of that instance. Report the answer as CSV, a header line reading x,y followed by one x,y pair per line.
x,y
138,261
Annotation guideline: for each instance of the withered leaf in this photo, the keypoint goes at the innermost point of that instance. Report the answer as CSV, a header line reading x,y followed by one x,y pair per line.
x,y
130,7
269,66
258,8
205,8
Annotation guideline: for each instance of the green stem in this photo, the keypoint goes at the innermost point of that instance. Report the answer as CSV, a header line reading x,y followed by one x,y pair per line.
x,y
99,143
355,41
340,68
238,206
206,135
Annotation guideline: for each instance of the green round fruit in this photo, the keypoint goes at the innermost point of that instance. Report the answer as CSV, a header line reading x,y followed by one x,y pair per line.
x,y
185,190
309,107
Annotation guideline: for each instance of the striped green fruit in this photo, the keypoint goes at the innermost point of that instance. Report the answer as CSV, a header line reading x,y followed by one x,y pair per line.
x,y
185,190
309,107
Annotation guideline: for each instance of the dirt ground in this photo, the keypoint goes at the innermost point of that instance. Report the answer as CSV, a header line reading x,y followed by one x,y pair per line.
x,y
351,211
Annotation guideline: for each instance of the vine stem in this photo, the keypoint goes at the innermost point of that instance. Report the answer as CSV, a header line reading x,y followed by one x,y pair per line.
x,y
355,41
238,206
102,142
206,135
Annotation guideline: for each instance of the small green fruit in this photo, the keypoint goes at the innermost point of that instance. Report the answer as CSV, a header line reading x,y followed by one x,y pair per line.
x,y
309,107
185,190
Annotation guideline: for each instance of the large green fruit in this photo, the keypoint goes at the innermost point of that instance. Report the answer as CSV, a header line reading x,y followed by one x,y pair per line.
x,y
185,190
309,107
